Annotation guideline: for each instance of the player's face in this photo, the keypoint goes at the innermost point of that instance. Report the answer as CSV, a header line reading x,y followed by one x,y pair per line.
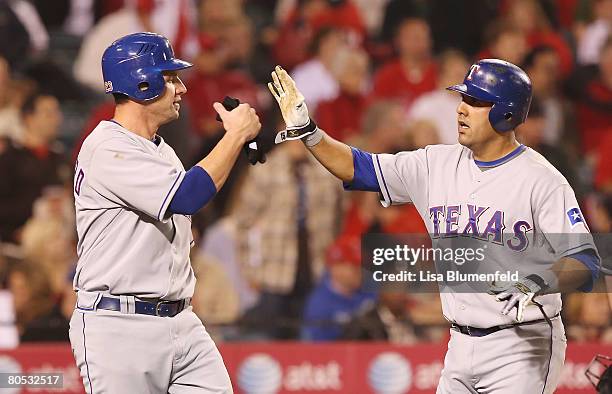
x,y
473,122
167,106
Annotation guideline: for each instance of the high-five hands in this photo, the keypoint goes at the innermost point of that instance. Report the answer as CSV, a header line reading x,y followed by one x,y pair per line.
x,y
292,106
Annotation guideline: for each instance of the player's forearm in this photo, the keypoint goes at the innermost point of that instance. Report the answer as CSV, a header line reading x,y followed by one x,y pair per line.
x,y
221,159
336,156
571,274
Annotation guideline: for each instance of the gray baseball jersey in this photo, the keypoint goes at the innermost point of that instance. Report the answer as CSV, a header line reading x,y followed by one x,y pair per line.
x,y
519,198
127,241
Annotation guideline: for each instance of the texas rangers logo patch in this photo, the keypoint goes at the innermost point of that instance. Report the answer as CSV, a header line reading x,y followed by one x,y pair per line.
x,y
473,69
575,216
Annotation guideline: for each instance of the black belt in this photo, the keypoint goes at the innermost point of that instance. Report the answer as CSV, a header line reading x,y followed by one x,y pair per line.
x,y
481,332
159,308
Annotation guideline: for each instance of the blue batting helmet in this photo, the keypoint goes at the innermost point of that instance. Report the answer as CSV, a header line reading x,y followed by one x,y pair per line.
x,y
134,65
503,84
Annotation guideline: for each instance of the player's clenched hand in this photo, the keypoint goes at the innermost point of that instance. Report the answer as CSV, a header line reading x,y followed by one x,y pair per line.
x,y
241,122
292,106
517,294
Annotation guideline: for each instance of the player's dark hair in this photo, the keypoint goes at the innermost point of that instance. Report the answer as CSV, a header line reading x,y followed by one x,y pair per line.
x,y
120,98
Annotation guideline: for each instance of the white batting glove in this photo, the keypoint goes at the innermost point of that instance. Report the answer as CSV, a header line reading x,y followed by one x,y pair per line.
x,y
518,294
292,106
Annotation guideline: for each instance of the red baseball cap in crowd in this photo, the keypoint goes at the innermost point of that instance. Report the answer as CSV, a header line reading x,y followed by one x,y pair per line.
x,y
345,249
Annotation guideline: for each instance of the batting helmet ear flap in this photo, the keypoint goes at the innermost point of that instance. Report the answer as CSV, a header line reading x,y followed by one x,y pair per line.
x,y
148,83
502,118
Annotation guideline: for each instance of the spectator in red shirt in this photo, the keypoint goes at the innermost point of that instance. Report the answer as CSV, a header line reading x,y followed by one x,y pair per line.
x,y
595,104
306,19
529,17
341,117
414,72
211,82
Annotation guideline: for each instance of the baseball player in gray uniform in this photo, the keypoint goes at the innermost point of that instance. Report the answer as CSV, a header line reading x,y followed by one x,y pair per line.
x,y
487,187
133,329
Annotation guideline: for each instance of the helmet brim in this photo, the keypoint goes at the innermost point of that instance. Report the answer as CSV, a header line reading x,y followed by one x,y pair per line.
x,y
461,88
174,64
474,92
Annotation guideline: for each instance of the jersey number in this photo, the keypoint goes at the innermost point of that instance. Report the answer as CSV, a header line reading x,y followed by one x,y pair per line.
x,y
78,181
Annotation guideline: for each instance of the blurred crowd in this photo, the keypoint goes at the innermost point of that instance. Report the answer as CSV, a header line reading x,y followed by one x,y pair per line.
x,y
278,255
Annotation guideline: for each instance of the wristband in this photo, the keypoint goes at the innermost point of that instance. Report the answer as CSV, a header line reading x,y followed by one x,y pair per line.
x,y
296,133
312,139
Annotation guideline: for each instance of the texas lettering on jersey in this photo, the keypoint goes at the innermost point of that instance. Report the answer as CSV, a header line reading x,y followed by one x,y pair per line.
x,y
446,221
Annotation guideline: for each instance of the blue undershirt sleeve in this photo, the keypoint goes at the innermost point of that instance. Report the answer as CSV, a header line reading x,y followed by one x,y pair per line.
x,y
364,178
196,190
591,261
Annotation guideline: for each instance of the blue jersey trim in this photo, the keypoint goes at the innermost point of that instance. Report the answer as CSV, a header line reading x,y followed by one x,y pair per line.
x,y
194,192
575,247
591,261
508,157
166,198
550,353
382,176
117,123
85,356
364,177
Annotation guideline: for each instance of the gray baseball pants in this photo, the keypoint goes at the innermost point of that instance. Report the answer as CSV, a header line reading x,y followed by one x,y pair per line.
x,y
520,360
132,353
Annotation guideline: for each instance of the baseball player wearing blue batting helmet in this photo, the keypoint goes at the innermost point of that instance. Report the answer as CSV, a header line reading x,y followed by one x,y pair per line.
x,y
134,65
133,329
504,85
489,189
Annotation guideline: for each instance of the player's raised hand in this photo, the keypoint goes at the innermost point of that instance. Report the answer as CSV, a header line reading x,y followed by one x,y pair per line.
x,y
241,122
517,294
292,106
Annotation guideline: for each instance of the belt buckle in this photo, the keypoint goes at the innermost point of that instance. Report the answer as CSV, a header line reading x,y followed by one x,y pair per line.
x,y
158,305
467,329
